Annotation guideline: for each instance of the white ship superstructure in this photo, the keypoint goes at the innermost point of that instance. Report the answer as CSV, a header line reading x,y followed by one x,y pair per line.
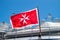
x,y
48,29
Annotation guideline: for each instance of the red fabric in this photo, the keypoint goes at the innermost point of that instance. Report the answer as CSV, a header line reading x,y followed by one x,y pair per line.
x,y
18,21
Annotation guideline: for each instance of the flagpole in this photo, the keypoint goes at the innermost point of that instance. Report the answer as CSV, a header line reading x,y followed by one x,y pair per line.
x,y
39,26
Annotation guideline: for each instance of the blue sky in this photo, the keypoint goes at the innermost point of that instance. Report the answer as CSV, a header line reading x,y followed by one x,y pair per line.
x,y
7,7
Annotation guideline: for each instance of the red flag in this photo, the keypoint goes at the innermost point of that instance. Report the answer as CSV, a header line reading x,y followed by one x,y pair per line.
x,y
24,19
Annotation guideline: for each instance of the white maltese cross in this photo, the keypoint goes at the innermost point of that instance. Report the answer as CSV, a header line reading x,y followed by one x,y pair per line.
x,y
25,17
